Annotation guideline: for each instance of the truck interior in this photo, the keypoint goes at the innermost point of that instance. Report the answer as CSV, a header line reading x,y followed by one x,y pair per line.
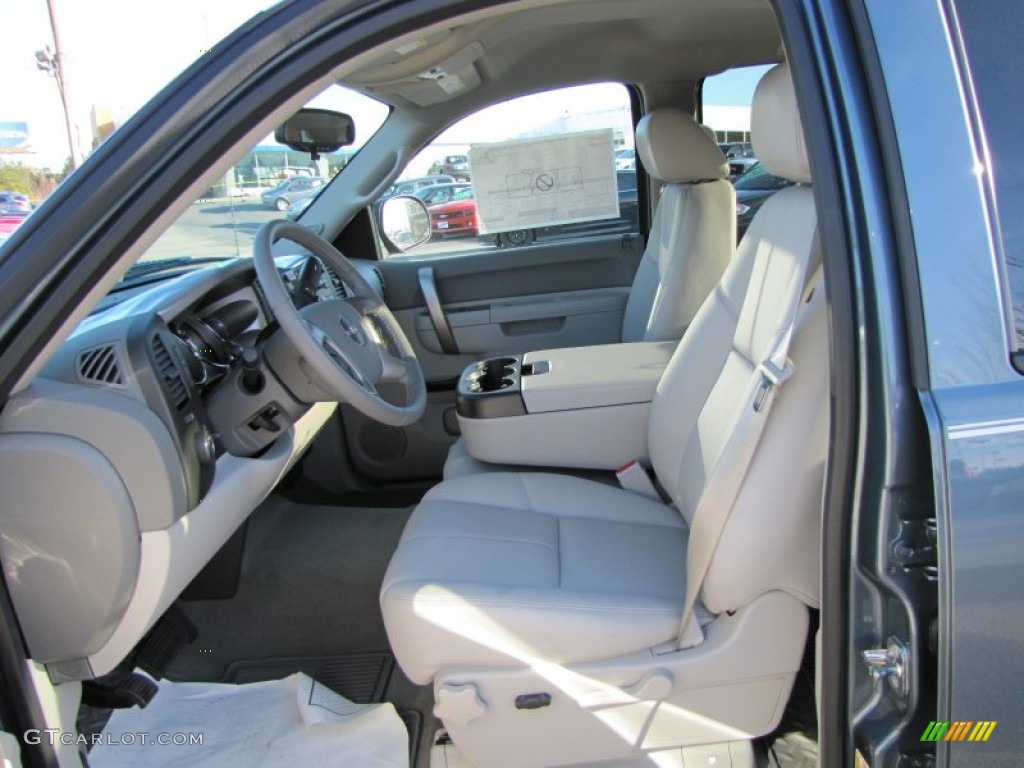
x,y
344,502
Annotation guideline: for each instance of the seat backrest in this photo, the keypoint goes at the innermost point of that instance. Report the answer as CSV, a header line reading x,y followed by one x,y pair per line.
x,y
693,235
771,538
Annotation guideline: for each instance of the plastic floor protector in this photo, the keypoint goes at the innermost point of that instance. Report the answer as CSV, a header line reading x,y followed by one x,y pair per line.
x,y
291,722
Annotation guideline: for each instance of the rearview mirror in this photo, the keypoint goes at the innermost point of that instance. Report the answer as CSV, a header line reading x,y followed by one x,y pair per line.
x,y
404,222
316,131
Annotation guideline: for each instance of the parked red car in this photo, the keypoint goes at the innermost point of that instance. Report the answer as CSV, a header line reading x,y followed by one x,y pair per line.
x,y
10,222
458,216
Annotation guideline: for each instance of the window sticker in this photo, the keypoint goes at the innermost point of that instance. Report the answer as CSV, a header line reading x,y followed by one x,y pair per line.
x,y
537,182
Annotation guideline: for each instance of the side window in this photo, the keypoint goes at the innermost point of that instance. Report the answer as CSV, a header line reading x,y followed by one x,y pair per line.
x,y
553,166
991,33
725,109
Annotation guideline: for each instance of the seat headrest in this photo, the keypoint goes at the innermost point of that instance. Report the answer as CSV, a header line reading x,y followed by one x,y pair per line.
x,y
675,149
775,129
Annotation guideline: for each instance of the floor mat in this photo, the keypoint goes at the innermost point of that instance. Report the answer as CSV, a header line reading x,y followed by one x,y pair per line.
x,y
295,721
309,586
359,677
308,601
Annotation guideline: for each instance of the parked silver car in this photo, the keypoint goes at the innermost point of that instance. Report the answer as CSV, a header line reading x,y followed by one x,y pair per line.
x,y
287,192
14,202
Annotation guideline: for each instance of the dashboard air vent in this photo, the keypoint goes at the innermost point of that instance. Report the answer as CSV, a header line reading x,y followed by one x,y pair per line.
x,y
100,365
168,373
380,281
339,286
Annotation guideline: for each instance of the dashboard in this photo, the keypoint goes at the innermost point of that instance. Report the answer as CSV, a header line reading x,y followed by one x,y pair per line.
x,y
212,337
142,446
180,347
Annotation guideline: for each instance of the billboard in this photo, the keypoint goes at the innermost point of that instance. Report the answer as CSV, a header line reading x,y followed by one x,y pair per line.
x,y
13,137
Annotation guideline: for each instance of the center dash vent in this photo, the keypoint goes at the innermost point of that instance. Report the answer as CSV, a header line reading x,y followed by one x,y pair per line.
x,y
169,374
339,287
380,281
100,365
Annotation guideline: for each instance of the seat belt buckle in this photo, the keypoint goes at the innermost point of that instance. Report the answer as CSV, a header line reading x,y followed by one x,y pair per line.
x,y
633,477
771,376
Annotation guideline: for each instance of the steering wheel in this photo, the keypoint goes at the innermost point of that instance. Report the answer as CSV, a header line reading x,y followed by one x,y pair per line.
x,y
353,345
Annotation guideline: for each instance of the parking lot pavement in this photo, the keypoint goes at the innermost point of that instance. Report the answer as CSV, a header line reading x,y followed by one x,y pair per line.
x,y
227,227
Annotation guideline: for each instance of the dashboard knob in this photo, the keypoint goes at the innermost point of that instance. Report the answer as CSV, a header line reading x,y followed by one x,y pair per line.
x,y
206,445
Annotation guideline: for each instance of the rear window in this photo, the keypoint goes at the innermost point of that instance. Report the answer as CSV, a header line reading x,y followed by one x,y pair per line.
x,y
992,38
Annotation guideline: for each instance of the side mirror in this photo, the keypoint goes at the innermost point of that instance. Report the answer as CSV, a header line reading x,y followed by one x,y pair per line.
x,y
316,131
404,222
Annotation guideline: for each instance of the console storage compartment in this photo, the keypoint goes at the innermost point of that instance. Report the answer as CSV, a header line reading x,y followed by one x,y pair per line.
x,y
583,407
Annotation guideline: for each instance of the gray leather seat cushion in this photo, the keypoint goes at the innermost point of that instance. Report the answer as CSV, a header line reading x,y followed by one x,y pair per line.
x,y
461,463
496,568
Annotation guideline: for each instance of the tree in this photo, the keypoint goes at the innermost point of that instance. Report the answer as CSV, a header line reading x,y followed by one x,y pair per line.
x,y
34,183
16,178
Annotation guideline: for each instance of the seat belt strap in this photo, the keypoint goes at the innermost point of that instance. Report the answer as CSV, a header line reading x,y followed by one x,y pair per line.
x,y
720,492
634,477
722,486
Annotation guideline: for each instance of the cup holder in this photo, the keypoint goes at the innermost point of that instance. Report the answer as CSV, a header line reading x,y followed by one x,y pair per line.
x,y
494,375
491,389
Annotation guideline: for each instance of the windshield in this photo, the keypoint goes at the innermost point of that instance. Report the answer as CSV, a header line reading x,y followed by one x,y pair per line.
x,y
117,55
263,184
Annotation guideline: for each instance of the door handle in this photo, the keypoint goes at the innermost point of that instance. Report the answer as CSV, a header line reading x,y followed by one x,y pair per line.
x,y
437,316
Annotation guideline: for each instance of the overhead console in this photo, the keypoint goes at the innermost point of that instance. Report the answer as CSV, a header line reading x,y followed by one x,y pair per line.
x,y
582,407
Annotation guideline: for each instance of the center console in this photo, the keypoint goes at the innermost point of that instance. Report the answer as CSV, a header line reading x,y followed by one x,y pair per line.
x,y
583,407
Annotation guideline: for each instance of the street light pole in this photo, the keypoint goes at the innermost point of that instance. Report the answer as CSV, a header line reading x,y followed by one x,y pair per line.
x,y
53,63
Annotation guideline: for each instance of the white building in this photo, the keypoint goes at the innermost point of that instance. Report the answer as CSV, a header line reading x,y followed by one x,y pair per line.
x,y
728,123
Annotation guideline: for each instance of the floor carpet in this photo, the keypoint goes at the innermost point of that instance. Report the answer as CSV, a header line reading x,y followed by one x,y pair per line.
x,y
307,600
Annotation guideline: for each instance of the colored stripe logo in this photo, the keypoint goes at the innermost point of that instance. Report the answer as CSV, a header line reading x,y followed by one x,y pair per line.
x,y
958,730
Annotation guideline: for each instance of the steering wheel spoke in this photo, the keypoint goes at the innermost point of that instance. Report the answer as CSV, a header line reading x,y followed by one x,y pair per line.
x,y
365,305
402,370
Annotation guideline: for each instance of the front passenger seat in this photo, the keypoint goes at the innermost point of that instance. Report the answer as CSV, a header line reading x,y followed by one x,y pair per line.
x,y
548,610
691,240
694,227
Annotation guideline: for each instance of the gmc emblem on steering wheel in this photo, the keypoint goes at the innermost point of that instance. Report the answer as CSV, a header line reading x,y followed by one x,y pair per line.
x,y
352,330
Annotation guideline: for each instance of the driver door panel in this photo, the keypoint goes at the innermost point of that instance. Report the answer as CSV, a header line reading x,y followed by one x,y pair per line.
x,y
496,301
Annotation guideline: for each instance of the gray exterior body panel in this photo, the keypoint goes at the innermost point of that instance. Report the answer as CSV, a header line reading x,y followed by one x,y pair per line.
x,y
978,398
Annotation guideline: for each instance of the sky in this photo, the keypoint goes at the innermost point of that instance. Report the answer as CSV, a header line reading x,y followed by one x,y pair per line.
x,y
120,53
